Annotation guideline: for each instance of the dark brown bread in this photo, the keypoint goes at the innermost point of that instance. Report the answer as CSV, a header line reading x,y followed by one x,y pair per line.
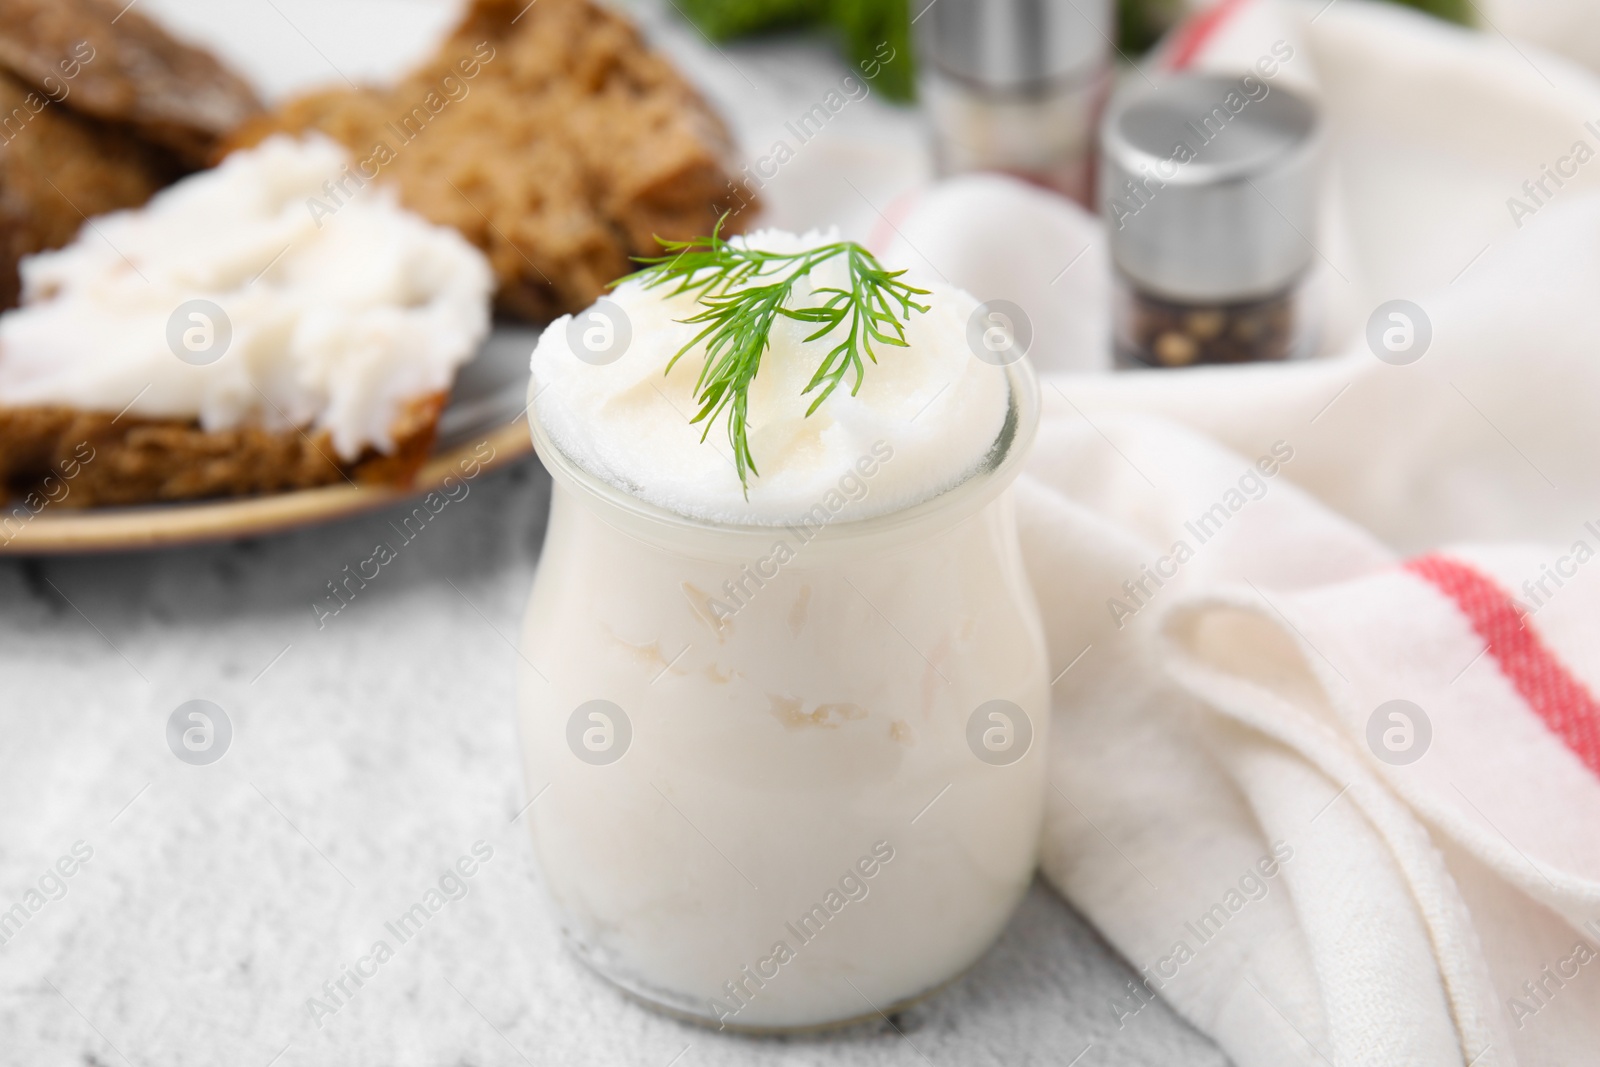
x,y
104,59
102,459
550,135
56,168
99,108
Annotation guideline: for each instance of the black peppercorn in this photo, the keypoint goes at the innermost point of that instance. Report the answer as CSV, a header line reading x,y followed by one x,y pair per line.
x,y
1154,331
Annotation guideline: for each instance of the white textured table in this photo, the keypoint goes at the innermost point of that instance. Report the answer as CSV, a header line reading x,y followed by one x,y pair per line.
x,y
369,754
366,758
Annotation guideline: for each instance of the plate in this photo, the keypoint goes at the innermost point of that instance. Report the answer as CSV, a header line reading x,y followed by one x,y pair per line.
x,y
486,408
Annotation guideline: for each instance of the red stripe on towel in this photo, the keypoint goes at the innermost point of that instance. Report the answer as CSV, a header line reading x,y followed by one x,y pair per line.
x,y
1196,32
1556,696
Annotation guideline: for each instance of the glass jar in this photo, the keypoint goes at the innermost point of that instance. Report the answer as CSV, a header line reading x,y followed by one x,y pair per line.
x,y
785,777
1017,86
1046,137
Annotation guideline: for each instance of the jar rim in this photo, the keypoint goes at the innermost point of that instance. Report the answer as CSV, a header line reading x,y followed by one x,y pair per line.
x,y
996,471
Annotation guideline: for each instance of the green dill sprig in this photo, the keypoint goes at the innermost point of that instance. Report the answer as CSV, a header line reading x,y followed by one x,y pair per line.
x,y
743,291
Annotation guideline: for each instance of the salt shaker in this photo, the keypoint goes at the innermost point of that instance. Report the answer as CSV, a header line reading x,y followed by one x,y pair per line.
x,y
1016,86
1210,188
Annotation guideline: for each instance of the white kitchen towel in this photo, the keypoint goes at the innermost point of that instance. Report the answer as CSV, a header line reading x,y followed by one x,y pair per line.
x,y
1326,747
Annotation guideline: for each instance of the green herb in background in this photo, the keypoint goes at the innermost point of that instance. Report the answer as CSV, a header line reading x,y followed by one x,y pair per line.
x,y
745,290
1452,10
1140,23
865,26
869,25
724,20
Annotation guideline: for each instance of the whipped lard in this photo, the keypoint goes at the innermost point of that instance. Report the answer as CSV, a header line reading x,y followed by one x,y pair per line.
x,y
764,752
336,321
627,422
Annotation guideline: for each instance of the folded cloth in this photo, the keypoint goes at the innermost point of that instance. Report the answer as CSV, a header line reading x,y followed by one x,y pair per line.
x,y
1325,761
1569,28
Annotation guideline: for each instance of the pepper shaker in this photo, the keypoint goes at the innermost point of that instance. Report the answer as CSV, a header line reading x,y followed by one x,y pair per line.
x,y
1016,86
1210,188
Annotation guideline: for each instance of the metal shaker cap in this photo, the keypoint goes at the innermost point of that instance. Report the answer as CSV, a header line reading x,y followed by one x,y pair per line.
x,y
1014,45
1209,185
